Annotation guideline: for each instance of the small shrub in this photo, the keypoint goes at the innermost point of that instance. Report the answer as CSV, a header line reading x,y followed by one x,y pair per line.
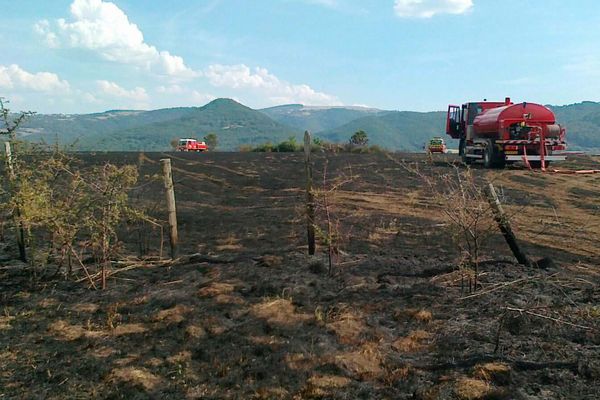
x,y
463,204
212,141
289,146
317,146
264,148
376,149
62,210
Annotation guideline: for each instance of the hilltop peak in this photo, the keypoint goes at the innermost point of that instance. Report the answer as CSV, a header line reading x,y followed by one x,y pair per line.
x,y
223,102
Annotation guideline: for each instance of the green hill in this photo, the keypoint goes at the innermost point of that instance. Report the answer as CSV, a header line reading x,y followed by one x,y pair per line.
x,y
317,119
236,124
410,130
582,121
68,128
395,130
126,130
233,123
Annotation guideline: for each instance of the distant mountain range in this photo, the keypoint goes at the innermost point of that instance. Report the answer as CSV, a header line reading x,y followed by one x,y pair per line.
x,y
318,119
236,125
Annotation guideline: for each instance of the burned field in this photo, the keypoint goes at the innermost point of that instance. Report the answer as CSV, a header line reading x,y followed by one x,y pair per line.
x,y
252,316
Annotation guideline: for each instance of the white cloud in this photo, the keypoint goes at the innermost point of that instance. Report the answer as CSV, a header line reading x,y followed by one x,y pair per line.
x,y
5,79
201,98
104,28
171,89
14,77
89,98
261,81
429,8
112,89
183,95
43,28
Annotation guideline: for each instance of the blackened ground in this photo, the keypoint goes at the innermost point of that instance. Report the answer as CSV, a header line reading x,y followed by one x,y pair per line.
x,y
395,320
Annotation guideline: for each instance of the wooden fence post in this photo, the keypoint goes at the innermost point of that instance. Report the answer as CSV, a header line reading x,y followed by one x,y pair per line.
x,y
310,198
505,228
170,194
9,162
19,226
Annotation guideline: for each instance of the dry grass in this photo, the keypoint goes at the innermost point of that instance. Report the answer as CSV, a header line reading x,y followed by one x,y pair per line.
x,y
280,312
415,341
154,362
423,316
103,352
195,331
269,393
229,243
363,363
215,289
269,261
471,389
397,374
298,361
324,386
48,302
129,329
180,358
337,339
229,299
420,315
112,315
88,308
138,377
564,218
173,315
5,322
499,373
348,328
328,381
229,247
65,331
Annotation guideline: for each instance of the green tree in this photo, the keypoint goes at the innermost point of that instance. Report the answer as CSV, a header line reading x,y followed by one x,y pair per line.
x,y
289,145
359,138
212,141
10,122
10,125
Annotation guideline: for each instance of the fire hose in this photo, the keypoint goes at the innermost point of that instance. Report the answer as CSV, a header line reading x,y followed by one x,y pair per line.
x,y
542,139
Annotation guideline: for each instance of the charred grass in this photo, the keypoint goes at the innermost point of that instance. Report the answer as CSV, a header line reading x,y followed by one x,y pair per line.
x,y
392,322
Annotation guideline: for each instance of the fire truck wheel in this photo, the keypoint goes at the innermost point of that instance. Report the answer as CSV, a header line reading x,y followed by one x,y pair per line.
x,y
491,158
488,157
467,160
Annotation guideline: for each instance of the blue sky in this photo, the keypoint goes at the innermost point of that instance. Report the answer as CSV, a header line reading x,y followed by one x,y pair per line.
x,y
73,56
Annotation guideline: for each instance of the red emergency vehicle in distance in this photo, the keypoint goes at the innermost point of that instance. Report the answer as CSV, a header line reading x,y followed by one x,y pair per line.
x,y
191,145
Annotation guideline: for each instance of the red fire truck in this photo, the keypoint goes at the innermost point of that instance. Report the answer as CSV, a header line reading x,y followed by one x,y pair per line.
x,y
191,145
498,133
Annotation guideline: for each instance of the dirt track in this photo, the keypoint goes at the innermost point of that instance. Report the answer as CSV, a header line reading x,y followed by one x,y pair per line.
x,y
392,323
